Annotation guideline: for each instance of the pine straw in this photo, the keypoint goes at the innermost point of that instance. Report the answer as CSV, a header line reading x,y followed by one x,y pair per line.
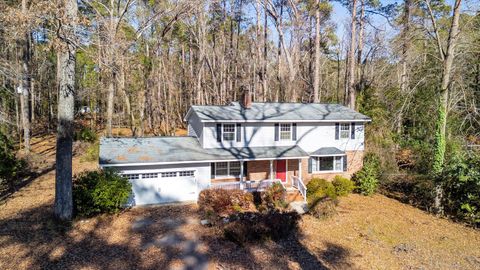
x,y
367,233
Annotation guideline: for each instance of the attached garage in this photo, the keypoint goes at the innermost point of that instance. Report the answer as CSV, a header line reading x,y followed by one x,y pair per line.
x,y
163,187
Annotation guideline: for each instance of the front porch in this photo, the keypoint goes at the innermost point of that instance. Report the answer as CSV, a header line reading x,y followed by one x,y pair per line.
x,y
258,175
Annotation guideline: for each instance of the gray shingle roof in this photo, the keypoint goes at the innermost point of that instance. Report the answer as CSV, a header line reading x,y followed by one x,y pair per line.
x,y
327,151
116,151
278,111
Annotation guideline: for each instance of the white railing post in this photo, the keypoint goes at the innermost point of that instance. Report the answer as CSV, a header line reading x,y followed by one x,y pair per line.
x,y
241,175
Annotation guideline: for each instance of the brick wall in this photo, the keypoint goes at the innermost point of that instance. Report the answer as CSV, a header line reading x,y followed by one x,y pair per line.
x,y
258,170
354,164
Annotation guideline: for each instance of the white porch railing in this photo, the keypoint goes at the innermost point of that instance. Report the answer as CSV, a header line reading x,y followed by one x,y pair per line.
x,y
298,184
248,185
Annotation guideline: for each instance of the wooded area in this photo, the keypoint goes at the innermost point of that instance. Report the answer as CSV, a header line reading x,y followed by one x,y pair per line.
x,y
142,64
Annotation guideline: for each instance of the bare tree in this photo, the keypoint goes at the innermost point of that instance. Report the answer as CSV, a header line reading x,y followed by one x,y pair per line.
x,y
350,82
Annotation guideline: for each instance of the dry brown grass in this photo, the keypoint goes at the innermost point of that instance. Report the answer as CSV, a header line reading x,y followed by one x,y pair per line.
x,y
367,233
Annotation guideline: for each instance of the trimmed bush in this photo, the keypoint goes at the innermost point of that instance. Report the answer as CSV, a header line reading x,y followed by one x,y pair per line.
x,y
319,188
255,227
323,208
343,186
223,202
366,180
100,191
86,134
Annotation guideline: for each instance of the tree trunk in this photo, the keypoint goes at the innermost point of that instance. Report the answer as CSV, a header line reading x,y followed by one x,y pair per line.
x,y
361,34
316,76
66,91
25,84
442,104
351,57
404,82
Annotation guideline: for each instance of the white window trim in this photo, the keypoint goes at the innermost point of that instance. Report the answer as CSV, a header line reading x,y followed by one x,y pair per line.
x,y
348,133
280,131
329,171
229,175
234,132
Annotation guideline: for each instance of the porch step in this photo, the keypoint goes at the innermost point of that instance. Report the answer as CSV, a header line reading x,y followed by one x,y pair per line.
x,y
293,195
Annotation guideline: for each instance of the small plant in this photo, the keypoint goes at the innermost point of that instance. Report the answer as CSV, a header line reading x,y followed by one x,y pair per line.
x,y
91,153
319,188
323,208
366,180
274,197
343,186
86,134
100,191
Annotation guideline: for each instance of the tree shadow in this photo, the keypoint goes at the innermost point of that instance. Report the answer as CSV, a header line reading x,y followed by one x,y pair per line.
x,y
167,237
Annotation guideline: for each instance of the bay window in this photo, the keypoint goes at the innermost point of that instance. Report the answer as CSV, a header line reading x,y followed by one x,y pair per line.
x,y
327,164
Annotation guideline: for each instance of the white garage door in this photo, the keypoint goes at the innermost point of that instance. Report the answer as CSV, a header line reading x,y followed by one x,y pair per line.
x,y
163,187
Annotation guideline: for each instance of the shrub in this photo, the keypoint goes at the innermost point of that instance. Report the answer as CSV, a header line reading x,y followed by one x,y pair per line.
x,y
323,208
100,191
10,166
343,186
224,202
366,180
255,227
86,134
319,188
461,179
274,197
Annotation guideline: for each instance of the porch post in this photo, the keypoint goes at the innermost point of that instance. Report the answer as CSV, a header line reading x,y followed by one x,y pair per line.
x,y
271,170
241,174
300,168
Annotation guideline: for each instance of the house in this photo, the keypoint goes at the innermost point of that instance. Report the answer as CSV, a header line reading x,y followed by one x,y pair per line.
x,y
243,145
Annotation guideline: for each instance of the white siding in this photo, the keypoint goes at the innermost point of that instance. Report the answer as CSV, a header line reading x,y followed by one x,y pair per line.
x,y
195,127
310,136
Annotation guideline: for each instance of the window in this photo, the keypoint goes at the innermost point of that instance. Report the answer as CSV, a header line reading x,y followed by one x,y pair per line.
x,y
234,168
327,164
228,132
285,131
345,131
221,168
186,173
149,175
227,169
132,176
169,174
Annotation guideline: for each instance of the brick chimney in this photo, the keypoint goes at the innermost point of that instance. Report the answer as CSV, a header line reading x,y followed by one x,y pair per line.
x,y
246,101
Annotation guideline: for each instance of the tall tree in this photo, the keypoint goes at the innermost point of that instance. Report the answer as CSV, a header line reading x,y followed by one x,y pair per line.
x,y
66,57
447,56
316,76
350,82
25,81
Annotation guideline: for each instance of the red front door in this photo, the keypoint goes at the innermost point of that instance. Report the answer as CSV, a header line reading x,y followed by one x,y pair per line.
x,y
282,170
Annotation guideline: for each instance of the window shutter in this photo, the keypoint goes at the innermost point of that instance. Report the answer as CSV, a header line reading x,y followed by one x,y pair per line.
x,y
310,165
239,132
277,131
337,131
353,131
294,131
212,170
219,132
345,163
245,168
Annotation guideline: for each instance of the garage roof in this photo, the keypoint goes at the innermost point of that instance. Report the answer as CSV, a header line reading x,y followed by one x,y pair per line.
x,y
171,150
276,111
